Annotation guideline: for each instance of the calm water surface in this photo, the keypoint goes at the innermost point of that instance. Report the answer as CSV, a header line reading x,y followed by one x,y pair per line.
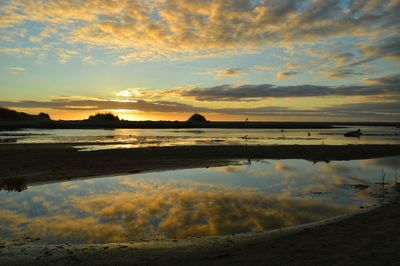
x,y
250,196
129,138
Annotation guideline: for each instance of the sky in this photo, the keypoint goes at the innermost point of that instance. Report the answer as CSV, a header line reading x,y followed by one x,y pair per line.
x,y
267,60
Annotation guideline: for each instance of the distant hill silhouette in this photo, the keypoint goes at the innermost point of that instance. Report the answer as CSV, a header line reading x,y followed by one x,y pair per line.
x,y
14,116
197,118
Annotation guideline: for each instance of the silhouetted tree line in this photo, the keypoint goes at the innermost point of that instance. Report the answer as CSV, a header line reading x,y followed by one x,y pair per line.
x,y
104,117
11,115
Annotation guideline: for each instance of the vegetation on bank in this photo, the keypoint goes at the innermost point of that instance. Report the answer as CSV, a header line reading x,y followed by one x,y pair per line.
x,y
104,117
11,115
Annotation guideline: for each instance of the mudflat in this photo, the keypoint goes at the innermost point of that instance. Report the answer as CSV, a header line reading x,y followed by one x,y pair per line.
x,y
36,163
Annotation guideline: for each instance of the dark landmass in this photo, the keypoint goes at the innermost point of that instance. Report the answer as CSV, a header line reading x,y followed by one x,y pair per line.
x,y
106,117
197,118
42,163
11,120
11,117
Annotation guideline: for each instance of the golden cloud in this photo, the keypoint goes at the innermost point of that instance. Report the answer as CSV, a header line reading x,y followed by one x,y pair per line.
x,y
283,75
142,30
229,72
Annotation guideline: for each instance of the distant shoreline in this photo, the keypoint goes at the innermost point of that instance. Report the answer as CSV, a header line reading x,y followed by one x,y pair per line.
x,y
84,124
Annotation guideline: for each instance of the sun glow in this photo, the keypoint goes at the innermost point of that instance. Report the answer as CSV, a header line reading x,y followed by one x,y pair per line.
x,y
123,111
124,101
126,114
124,93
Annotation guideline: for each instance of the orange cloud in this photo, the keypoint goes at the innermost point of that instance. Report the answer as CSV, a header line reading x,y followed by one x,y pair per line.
x,y
229,72
283,75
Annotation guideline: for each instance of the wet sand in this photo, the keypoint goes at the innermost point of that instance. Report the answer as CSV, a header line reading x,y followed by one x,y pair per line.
x,y
368,238
41,163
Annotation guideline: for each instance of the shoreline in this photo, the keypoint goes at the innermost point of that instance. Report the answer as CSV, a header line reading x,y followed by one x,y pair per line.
x,y
335,237
38,163
121,124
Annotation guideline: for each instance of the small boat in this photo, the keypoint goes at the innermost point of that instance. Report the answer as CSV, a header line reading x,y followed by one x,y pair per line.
x,y
356,133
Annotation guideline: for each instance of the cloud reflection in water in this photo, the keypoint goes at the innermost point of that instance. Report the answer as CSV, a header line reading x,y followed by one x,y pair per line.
x,y
186,203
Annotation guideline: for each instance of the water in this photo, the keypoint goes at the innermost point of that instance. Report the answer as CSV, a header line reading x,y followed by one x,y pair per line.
x,y
131,138
248,196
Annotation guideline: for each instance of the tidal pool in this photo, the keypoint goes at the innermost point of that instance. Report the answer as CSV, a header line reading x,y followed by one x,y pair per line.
x,y
246,196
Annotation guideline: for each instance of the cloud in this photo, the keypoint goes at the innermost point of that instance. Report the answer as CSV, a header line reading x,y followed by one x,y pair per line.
x,y
264,67
16,70
364,110
10,15
88,59
43,35
136,92
283,75
343,58
387,85
342,73
145,30
229,72
386,48
388,80
357,58
64,55
294,66
18,51
75,105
